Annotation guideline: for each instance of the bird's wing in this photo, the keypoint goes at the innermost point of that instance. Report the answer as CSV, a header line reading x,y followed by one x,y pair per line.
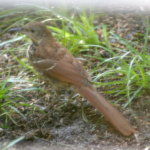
x,y
64,70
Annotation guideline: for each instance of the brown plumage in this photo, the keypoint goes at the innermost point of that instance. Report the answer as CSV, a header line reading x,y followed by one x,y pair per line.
x,y
54,61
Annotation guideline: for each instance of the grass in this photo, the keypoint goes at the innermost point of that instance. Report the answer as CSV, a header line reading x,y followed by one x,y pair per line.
x,y
128,71
8,145
76,33
12,100
7,104
125,73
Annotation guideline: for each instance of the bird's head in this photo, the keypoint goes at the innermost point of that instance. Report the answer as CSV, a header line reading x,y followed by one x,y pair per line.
x,y
34,30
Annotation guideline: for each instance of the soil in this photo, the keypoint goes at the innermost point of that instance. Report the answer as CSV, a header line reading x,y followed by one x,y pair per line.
x,y
67,121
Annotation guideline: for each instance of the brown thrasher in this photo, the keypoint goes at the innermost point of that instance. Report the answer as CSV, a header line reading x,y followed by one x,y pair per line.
x,y
55,62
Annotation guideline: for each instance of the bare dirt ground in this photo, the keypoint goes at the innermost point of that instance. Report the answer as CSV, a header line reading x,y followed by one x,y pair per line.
x,y
69,123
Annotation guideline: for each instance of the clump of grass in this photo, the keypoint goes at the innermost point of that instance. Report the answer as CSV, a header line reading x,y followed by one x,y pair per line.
x,y
12,101
77,33
7,104
128,69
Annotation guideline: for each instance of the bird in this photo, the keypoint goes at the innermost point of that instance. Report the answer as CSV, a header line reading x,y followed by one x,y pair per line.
x,y
54,61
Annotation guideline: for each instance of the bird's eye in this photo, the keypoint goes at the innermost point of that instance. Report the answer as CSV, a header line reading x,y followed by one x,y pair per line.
x,y
32,30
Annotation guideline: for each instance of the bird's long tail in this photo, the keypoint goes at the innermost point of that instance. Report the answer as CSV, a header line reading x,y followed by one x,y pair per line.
x,y
109,112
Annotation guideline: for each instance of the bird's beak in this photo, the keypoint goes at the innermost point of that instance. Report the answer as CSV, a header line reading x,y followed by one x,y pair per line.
x,y
17,29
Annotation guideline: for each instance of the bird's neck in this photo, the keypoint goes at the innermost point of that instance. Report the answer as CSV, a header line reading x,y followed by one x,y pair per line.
x,y
49,40
44,41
